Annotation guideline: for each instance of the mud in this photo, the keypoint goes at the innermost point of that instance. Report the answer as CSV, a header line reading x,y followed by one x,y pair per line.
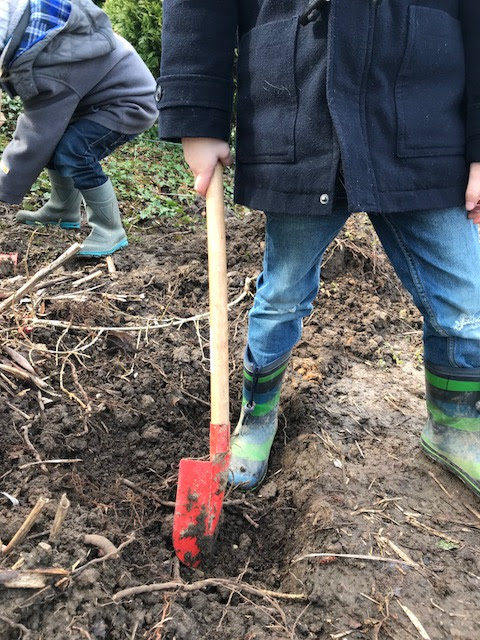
x,y
346,474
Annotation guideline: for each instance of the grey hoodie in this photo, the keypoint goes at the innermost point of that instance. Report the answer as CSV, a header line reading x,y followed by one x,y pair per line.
x,y
81,70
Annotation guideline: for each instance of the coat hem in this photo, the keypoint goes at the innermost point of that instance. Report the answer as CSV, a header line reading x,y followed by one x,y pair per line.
x,y
308,203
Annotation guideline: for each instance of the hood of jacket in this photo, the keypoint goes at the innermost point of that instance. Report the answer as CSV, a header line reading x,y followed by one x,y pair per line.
x,y
86,35
10,13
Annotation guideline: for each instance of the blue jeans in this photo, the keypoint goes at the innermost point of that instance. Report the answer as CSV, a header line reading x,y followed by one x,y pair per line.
x,y
436,255
78,154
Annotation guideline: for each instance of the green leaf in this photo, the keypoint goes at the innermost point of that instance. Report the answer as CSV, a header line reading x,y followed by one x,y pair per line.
x,y
446,545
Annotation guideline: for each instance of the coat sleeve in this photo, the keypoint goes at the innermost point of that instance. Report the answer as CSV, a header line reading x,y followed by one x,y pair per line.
x,y
39,129
195,88
470,15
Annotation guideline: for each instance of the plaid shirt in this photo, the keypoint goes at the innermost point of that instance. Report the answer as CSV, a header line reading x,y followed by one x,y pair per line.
x,y
45,15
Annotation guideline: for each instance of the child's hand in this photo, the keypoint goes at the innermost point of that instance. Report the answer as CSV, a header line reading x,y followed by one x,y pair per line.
x,y
202,156
472,195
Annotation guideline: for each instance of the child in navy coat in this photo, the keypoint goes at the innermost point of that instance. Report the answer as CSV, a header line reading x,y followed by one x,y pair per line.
x,y
372,105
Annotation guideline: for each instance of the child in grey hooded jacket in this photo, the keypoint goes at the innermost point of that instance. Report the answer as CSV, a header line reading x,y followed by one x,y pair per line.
x,y
85,92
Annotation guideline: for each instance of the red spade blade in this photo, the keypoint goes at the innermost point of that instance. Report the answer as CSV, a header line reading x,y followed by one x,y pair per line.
x,y
12,257
198,505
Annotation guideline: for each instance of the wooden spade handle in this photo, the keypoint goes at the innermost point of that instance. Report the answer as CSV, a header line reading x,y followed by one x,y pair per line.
x,y
218,296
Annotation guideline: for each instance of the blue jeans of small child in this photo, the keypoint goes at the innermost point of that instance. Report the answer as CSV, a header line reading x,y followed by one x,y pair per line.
x,y
78,154
436,255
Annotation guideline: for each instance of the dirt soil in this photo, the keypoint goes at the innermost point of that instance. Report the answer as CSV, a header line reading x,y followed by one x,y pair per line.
x,y
120,409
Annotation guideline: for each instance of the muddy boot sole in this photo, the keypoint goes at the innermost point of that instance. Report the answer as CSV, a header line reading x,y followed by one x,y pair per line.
x,y
62,225
247,487
443,461
107,252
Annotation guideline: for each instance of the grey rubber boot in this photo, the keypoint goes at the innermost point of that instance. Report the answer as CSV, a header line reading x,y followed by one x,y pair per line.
x,y
62,209
103,216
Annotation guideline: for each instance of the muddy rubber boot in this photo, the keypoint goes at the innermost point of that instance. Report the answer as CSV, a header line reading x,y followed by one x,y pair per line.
x,y
257,426
63,207
103,216
452,433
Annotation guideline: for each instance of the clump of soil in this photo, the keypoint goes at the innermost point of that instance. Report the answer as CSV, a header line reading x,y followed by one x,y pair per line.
x,y
346,476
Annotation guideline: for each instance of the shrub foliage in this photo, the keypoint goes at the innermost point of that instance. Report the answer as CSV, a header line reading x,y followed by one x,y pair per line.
x,y
140,22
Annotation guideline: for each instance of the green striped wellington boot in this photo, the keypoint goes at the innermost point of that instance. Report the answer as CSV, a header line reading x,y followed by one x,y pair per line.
x,y
254,434
452,433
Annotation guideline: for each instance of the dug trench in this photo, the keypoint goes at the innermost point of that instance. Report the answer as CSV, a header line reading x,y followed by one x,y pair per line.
x,y
119,409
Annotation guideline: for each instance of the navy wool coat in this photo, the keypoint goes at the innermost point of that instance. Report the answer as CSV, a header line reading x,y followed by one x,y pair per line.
x,y
382,88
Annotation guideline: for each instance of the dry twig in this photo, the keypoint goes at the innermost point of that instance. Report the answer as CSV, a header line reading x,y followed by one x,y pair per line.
x,y
60,461
16,625
434,532
83,632
30,446
414,620
352,556
34,280
19,359
151,322
26,526
202,584
60,515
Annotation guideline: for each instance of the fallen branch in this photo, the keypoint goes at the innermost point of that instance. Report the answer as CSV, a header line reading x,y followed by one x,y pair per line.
x,y
33,281
202,584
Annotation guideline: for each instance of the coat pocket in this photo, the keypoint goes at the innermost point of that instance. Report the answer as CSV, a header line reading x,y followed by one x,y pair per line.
x,y
267,95
430,87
